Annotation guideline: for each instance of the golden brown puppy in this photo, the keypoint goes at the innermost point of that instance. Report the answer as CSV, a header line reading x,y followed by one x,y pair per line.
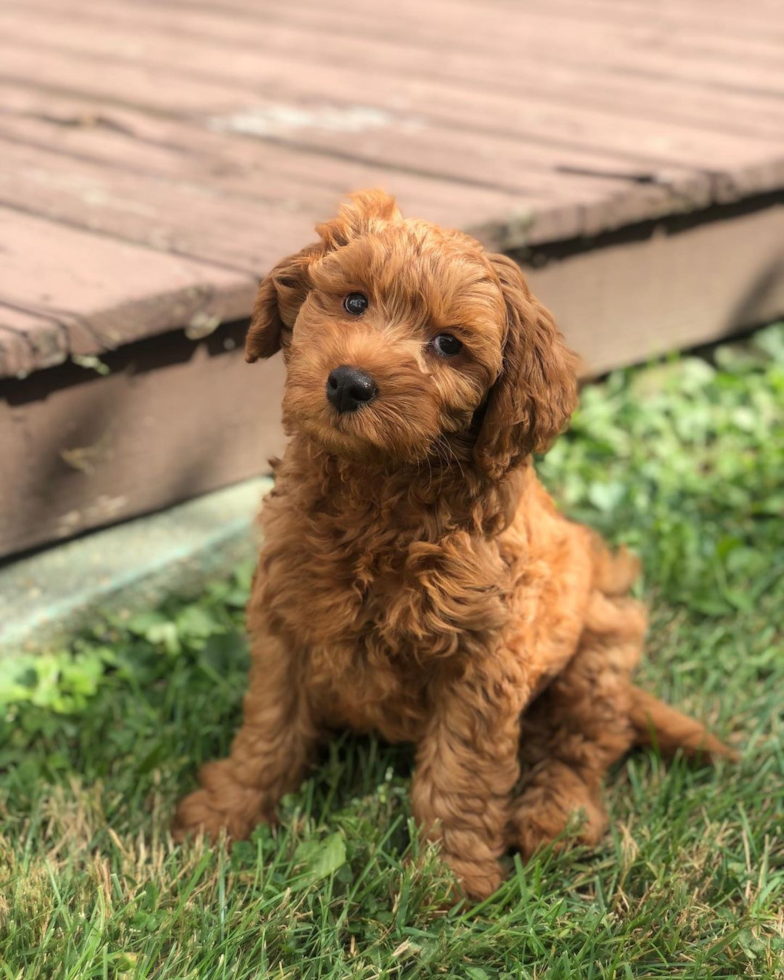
x,y
415,579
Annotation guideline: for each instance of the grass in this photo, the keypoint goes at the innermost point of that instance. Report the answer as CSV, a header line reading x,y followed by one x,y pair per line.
x,y
683,460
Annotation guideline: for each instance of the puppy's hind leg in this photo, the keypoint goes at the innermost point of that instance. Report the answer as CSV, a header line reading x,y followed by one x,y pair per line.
x,y
268,757
577,728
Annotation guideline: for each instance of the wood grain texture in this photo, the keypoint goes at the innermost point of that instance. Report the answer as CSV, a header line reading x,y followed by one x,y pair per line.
x,y
157,152
66,291
678,285
82,450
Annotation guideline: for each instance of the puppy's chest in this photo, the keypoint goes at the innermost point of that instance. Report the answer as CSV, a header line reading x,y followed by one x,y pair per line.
x,y
379,590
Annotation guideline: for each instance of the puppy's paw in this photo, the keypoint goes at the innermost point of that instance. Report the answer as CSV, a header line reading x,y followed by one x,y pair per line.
x,y
195,814
222,804
477,880
543,814
200,813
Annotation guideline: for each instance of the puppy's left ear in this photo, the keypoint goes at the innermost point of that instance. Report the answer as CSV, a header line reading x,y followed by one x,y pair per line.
x,y
534,396
281,294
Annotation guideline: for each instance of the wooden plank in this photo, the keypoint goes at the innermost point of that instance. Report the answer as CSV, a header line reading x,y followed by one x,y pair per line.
x,y
590,192
170,420
192,220
106,294
540,33
751,20
477,39
468,27
248,235
29,341
668,26
754,20
179,150
462,31
405,143
488,162
545,139
286,56
630,300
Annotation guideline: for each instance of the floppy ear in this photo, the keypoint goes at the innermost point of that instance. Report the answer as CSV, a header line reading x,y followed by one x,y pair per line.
x,y
277,304
534,396
284,290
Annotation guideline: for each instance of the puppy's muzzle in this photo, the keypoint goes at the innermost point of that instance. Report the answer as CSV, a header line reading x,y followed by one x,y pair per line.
x,y
348,388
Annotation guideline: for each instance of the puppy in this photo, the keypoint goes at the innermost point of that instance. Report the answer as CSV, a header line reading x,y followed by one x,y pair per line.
x,y
415,579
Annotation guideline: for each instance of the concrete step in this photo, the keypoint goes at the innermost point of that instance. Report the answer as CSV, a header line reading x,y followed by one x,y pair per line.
x,y
46,597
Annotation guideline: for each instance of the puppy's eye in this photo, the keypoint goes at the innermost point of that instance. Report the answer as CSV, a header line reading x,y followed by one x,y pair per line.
x,y
446,345
355,304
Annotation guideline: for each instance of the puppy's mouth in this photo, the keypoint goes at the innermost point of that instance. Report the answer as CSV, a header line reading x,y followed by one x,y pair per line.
x,y
359,416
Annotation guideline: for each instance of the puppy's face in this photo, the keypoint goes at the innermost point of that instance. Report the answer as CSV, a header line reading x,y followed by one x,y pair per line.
x,y
397,342
397,333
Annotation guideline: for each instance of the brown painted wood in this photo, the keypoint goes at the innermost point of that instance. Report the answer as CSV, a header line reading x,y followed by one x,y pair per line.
x,y
29,341
172,419
132,140
676,285
491,28
250,30
477,39
166,215
523,166
211,221
277,57
78,293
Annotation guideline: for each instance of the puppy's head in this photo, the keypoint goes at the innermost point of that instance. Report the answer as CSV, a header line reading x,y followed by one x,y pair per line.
x,y
397,333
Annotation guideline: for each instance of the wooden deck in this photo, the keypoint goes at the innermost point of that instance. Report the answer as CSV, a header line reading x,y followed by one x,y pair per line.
x,y
157,156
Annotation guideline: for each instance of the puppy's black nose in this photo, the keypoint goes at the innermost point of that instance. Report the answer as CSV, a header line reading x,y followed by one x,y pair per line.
x,y
348,388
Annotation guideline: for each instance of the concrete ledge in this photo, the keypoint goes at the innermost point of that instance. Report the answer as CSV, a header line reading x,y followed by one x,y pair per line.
x,y
46,597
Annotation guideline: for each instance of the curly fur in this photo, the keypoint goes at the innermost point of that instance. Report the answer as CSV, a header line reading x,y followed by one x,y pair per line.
x,y
415,579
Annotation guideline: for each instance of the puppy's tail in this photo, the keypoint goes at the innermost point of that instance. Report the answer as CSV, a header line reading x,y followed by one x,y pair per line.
x,y
657,724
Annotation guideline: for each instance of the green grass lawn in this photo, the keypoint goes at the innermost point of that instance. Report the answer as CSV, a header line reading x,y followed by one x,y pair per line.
x,y
684,461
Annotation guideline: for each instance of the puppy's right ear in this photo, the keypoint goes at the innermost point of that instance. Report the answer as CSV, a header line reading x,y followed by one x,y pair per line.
x,y
278,300
284,290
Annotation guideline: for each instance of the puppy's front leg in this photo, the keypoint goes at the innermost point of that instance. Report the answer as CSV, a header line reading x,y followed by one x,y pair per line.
x,y
269,755
467,767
